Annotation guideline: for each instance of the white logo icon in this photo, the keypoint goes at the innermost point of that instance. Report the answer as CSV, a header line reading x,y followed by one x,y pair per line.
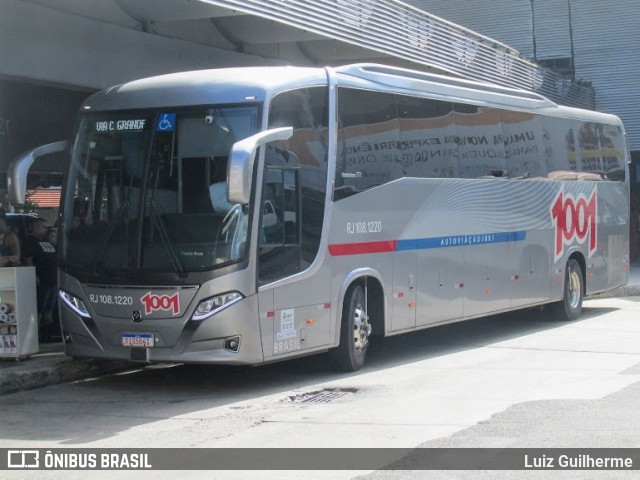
x,y
23,459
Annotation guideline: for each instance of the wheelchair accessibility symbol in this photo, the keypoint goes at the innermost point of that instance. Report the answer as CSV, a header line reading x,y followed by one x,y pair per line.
x,y
166,122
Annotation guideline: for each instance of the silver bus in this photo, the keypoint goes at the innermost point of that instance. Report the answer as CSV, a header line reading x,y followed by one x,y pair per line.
x,y
251,215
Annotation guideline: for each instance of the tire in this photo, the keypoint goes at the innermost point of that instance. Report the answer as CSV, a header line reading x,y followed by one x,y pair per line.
x,y
350,354
570,307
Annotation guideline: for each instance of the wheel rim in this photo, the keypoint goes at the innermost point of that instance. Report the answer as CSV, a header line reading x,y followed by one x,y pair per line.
x,y
361,328
575,288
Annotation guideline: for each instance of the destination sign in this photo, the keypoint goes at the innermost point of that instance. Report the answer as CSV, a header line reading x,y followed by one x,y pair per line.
x,y
124,125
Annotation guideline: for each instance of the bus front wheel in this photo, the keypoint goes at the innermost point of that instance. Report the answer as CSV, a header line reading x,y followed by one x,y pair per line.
x,y
355,330
570,307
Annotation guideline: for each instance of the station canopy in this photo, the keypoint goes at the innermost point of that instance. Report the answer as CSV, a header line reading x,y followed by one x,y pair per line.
x,y
334,32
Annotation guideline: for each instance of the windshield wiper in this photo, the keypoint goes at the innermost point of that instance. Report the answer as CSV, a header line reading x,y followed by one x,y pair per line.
x,y
164,236
122,208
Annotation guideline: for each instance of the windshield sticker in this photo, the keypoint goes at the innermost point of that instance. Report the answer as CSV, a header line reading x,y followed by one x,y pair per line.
x,y
166,122
129,125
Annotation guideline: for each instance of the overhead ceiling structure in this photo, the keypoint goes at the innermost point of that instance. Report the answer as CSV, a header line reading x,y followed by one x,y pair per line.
x,y
332,32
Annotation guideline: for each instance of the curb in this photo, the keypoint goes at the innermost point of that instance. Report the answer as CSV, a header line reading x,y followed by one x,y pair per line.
x,y
25,376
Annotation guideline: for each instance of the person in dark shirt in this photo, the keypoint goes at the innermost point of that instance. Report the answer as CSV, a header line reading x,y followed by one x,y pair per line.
x,y
42,255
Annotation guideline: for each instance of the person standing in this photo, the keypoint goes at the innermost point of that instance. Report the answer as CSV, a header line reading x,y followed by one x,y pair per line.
x,y
53,331
9,244
38,252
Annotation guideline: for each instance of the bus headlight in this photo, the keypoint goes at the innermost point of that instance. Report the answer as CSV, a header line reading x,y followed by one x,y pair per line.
x,y
74,303
213,305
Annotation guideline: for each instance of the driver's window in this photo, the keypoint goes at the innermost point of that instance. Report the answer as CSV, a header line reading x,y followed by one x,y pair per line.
x,y
295,181
280,224
280,207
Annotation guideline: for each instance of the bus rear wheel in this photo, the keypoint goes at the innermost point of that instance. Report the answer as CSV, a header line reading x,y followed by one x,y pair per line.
x,y
570,307
355,330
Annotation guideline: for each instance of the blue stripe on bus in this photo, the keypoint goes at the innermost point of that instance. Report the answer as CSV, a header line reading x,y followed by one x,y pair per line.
x,y
459,240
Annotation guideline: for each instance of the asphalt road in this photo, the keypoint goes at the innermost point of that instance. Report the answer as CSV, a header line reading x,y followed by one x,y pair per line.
x,y
516,380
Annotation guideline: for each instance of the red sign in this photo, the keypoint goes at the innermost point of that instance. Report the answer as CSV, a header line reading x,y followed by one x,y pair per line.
x,y
575,220
153,302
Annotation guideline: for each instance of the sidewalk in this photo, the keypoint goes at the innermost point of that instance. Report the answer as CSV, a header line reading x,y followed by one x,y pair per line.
x,y
51,366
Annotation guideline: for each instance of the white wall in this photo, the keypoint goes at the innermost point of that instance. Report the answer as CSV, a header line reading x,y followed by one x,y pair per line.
x,y
606,38
607,53
41,44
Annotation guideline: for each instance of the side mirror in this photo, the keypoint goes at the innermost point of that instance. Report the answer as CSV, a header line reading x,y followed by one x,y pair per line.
x,y
18,169
242,158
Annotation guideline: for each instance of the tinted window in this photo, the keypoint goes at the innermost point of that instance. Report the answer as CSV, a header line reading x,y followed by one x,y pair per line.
x,y
383,137
426,130
368,153
574,146
524,141
478,133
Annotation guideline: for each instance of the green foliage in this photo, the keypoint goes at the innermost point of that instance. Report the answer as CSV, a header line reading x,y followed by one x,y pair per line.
x,y
27,207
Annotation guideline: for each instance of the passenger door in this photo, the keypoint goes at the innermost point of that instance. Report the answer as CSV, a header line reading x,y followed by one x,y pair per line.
x,y
293,194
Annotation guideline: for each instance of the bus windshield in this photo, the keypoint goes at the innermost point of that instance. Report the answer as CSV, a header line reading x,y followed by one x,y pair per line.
x,y
146,191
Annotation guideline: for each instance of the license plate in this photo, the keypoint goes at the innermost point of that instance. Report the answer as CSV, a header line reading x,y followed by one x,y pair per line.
x,y
143,340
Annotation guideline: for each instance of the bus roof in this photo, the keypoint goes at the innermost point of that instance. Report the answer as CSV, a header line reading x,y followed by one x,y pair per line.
x,y
255,84
454,89
204,87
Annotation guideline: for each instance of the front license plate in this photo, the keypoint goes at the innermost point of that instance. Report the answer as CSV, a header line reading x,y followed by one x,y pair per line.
x,y
143,340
